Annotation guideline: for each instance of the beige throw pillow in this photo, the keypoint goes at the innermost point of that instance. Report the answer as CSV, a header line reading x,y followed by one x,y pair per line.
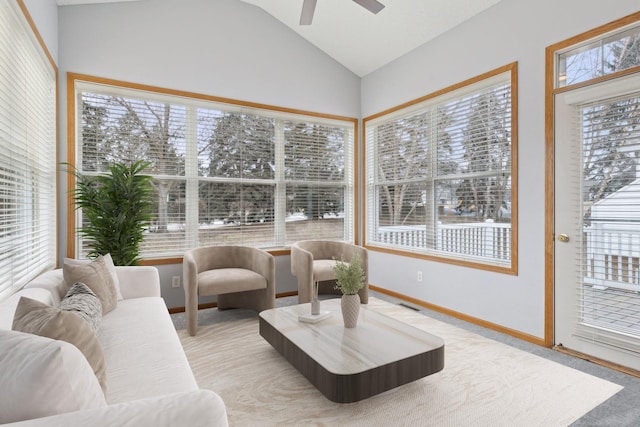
x,y
35,317
97,276
114,275
110,266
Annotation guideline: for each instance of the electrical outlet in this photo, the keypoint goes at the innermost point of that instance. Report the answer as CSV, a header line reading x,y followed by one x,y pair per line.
x,y
419,276
175,282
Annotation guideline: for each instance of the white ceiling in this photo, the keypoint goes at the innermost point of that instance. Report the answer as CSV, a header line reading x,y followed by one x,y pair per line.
x,y
358,39
364,42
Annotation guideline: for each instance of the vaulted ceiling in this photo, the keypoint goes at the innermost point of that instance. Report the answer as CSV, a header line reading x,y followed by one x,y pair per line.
x,y
358,39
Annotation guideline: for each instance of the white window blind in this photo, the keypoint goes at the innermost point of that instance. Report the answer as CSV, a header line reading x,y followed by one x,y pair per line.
x,y
224,173
236,152
27,163
316,168
609,256
439,175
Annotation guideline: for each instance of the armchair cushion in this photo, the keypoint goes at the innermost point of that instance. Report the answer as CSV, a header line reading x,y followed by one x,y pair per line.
x,y
323,269
227,280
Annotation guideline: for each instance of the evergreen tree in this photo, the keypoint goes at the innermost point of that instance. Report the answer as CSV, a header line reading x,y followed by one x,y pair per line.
x,y
313,157
240,146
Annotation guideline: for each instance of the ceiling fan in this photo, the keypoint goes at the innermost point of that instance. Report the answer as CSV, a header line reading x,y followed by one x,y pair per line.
x,y
309,6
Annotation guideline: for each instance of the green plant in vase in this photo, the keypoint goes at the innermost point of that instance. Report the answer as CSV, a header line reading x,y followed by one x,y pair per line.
x,y
116,207
349,280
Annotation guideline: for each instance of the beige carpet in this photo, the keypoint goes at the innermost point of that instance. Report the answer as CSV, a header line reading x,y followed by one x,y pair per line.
x,y
484,383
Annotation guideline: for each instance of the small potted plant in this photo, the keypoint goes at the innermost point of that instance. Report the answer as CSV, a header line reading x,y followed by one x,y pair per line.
x,y
349,280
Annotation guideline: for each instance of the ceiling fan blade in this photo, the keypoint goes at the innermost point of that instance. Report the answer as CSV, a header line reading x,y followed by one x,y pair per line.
x,y
373,6
308,7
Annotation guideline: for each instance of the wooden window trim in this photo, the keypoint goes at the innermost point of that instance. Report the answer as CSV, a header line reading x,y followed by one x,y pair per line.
x,y
72,78
512,68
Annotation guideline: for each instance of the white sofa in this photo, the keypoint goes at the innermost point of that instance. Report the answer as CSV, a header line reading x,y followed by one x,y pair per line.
x,y
148,378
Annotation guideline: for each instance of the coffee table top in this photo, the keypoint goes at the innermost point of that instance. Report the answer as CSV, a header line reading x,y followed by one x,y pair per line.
x,y
376,341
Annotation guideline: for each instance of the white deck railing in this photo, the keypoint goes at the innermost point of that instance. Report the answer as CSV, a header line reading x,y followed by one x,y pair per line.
x,y
485,240
612,256
611,251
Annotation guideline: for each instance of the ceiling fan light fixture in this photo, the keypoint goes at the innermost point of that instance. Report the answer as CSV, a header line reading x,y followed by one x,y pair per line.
x,y
308,8
373,6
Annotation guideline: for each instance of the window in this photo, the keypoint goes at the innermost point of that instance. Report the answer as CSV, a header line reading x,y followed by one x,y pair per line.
x,y
28,143
609,130
224,173
616,52
440,174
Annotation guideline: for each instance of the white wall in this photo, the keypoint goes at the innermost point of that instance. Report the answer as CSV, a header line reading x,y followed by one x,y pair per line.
x,y
224,48
512,30
45,15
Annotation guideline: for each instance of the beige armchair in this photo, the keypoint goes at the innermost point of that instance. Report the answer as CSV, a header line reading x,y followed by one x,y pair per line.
x,y
312,262
240,276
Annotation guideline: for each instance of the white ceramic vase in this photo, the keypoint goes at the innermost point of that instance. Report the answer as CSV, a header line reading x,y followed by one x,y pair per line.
x,y
350,305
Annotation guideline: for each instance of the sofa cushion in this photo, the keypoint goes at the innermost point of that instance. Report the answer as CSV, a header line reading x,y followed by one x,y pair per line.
x,y
98,276
142,351
53,282
41,377
83,301
36,318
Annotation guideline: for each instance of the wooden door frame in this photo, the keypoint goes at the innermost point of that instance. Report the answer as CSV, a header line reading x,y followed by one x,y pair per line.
x,y
550,92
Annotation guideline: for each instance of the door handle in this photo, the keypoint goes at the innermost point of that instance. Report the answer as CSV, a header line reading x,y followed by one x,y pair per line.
x,y
564,238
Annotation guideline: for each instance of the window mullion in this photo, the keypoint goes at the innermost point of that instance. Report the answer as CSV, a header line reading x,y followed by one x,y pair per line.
x,y
432,161
280,208
191,175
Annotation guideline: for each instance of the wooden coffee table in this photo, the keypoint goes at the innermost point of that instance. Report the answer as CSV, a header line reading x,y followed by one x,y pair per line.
x,y
351,364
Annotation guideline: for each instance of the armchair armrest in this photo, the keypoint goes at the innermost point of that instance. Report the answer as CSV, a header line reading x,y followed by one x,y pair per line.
x,y
138,281
301,262
195,408
262,262
302,269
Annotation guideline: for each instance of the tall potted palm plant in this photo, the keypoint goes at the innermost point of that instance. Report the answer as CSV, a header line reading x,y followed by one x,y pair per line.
x,y
116,208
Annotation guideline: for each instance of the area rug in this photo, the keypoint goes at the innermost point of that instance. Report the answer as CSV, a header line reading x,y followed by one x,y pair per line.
x,y
484,383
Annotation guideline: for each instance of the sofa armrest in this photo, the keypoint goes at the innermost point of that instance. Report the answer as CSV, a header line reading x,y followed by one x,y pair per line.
x,y
194,408
138,281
